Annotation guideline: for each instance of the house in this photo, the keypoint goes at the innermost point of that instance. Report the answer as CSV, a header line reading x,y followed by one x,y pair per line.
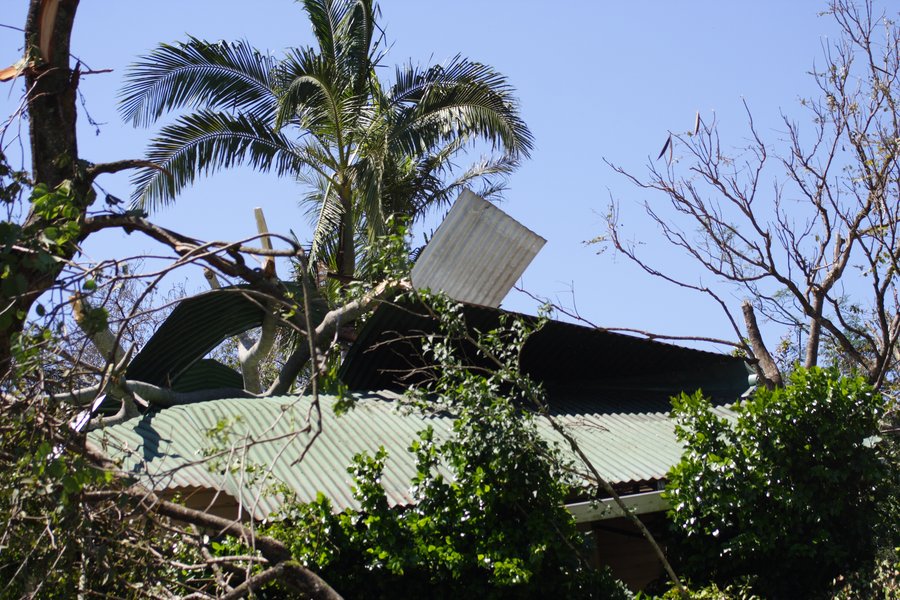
x,y
232,456
610,390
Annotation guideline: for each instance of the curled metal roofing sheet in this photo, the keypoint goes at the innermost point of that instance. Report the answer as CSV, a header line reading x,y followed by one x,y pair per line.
x,y
208,374
476,254
196,326
247,448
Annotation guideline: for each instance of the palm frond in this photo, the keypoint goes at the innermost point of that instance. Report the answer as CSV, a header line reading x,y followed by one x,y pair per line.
x,y
207,141
328,19
326,211
461,99
428,188
360,52
312,93
369,178
491,173
199,74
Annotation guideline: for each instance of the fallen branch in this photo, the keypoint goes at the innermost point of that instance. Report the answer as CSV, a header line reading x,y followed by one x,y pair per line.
x,y
291,573
257,581
165,397
152,394
325,331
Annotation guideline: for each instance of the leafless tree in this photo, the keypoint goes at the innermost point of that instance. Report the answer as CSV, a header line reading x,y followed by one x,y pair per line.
x,y
805,227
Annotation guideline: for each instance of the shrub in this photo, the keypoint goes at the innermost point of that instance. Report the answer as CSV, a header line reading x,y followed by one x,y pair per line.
x,y
488,518
489,522
787,495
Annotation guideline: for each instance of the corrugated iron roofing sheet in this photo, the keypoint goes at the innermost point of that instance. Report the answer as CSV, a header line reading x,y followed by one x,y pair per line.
x,y
477,253
208,374
390,344
629,440
196,326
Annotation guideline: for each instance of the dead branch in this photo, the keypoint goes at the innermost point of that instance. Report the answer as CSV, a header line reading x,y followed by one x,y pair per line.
x,y
297,577
152,394
831,205
766,366
120,165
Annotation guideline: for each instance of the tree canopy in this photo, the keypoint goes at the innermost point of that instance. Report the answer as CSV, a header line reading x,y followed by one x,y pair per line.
x,y
803,229
789,495
366,150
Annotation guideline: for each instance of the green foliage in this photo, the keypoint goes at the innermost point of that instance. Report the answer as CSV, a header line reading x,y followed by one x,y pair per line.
x,y
57,206
12,182
26,254
56,543
487,517
879,581
365,149
708,592
790,494
387,256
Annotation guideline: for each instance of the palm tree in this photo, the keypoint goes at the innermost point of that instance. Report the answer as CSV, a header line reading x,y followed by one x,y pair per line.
x,y
322,115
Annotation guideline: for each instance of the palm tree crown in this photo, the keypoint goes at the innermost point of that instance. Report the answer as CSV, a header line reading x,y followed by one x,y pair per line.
x,y
321,114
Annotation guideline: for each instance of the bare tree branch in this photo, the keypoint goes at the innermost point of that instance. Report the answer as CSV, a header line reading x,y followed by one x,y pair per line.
x,y
830,206
297,577
771,376
121,165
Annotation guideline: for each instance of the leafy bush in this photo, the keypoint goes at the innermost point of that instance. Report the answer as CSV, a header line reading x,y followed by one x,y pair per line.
x,y
788,495
493,527
880,581
488,518
708,592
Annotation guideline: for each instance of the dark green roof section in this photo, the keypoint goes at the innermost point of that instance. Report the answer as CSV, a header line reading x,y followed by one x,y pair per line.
x,y
196,326
389,345
208,374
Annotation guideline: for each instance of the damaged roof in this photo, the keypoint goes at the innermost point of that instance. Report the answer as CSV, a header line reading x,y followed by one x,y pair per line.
x,y
388,349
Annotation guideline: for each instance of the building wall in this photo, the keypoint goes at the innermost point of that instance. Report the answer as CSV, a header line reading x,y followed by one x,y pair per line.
x,y
210,501
619,545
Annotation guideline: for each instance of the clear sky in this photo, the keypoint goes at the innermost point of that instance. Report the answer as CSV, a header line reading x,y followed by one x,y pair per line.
x,y
596,80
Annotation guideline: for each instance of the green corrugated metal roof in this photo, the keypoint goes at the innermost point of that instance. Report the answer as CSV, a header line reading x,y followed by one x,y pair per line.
x,y
628,437
196,326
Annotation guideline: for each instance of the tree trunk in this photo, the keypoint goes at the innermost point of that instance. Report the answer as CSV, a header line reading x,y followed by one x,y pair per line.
x,y
347,250
51,93
766,367
811,357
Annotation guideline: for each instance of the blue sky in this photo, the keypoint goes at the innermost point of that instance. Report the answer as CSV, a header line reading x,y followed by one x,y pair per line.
x,y
596,80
